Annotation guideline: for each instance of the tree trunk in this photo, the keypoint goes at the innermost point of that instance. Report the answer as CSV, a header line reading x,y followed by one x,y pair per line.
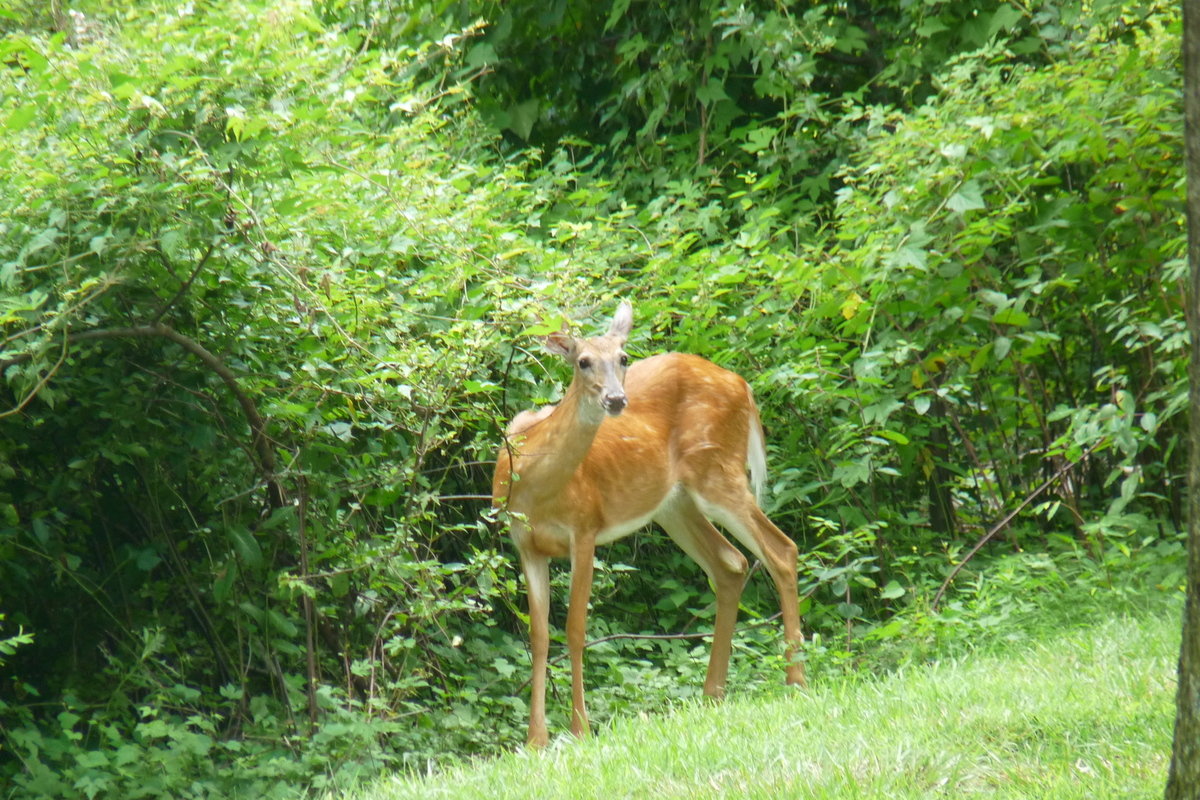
x,y
1184,779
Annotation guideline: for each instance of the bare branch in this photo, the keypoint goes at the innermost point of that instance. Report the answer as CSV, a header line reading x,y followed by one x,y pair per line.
x,y
258,426
1002,524
187,284
41,384
657,637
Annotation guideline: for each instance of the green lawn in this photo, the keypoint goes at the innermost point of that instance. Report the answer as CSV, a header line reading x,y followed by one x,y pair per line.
x,y
1084,716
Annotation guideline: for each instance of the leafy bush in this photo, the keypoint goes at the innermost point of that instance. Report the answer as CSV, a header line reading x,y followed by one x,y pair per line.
x,y
229,297
270,273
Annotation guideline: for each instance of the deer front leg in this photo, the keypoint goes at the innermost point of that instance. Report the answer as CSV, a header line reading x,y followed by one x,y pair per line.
x,y
537,583
583,549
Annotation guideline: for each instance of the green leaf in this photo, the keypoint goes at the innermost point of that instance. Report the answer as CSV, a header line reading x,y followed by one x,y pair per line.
x,y
481,54
1011,316
967,198
1004,19
909,256
759,139
675,599
619,7
889,631
20,117
1130,484
25,55
854,40
223,584
852,473
849,610
147,559
281,623
521,118
931,26
277,518
172,242
245,545
235,122
545,327
892,591
711,92
1000,347
92,759
980,359
154,729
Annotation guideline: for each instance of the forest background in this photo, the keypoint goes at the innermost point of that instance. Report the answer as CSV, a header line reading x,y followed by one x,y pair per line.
x,y
271,280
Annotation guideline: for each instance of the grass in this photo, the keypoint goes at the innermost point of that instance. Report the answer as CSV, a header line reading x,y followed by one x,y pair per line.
x,y
1087,715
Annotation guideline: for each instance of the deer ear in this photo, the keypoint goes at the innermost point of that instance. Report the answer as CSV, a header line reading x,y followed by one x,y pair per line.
x,y
622,322
560,343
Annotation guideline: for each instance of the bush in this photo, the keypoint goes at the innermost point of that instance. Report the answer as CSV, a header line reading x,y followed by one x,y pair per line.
x,y
271,279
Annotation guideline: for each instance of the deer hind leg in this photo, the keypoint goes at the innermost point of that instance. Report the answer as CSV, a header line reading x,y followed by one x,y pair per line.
x,y
736,510
537,582
726,568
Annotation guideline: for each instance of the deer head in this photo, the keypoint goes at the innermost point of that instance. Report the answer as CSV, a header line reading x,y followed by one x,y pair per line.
x,y
599,362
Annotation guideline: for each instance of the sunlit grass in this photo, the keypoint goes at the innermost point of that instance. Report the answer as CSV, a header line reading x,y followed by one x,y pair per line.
x,y
1084,716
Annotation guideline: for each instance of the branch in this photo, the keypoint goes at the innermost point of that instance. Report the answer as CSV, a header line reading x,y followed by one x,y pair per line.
x,y
258,426
187,284
612,637
1002,524
306,604
28,398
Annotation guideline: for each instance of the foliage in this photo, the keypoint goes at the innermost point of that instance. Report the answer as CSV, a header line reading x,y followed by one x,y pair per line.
x,y
268,278
696,94
227,364
987,350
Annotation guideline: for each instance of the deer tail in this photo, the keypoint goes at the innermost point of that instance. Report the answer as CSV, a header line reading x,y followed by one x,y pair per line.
x,y
756,451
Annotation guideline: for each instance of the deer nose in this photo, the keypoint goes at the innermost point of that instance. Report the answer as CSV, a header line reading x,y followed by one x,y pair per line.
x,y
614,403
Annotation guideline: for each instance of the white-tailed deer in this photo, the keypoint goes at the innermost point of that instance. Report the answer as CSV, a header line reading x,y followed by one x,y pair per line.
x,y
667,441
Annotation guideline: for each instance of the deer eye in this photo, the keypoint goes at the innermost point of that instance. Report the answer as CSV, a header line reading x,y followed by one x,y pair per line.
x,y
624,360
585,363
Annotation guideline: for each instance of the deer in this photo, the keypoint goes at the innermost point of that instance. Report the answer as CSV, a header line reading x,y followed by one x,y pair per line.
x,y
670,440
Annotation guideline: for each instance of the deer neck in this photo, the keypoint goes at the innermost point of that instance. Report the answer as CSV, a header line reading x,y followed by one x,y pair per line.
x,y
554,448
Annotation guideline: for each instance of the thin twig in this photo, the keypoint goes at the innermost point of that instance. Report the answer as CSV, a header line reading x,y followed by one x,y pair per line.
x,y
306,604
660,637
187,284
672,636
1003,523
41,384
